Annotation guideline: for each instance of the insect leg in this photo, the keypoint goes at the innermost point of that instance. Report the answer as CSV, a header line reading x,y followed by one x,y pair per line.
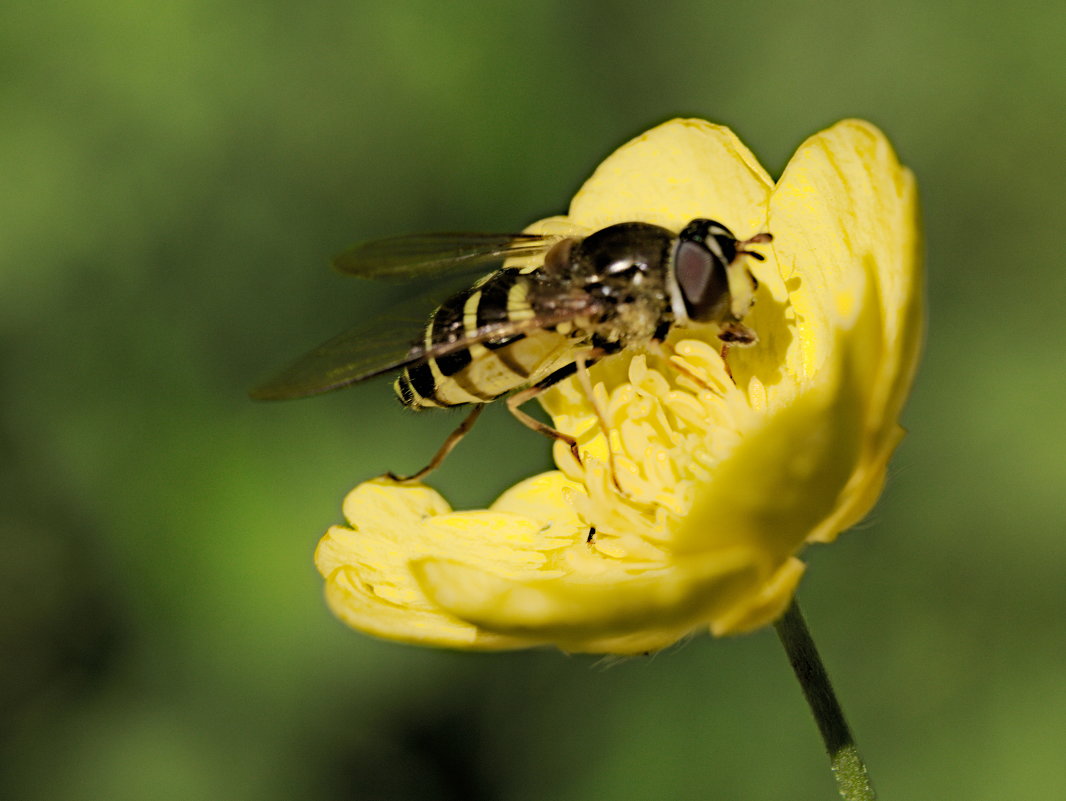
x,y
725,363
445,449
528,394
580,365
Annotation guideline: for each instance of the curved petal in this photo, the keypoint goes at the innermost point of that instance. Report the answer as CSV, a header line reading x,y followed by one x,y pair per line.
x,y
369,583
576,611
677,171
354,602
846,213
764,607
785,477
543,497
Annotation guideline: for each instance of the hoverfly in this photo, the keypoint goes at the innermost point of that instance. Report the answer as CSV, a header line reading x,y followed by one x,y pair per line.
x,y
518,330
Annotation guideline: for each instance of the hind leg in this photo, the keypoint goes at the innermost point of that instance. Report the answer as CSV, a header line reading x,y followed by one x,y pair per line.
x,y
445,449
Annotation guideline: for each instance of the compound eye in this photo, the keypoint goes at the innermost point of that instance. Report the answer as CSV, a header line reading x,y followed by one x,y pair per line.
x,y
558,260
702,280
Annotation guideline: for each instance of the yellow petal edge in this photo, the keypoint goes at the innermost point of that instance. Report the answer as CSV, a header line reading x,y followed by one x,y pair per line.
x,y
720,470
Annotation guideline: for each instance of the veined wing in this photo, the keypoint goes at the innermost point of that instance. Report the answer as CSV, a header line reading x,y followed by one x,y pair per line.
x,y
424,255
387,343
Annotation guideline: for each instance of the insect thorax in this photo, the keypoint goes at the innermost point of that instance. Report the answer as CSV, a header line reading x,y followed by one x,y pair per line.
x,y
621,271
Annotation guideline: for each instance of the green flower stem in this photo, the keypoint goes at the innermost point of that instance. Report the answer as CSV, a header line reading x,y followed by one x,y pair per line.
x,y
848,767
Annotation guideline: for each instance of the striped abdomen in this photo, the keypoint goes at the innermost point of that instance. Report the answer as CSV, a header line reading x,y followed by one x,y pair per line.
x,y
479,372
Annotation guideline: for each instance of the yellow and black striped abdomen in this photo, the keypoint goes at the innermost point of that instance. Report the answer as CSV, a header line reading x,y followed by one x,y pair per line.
x,y
481,371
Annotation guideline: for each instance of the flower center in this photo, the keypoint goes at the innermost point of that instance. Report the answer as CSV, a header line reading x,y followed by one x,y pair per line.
x,y
671,417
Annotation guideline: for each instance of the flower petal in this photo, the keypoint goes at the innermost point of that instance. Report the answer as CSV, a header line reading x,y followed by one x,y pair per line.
x,y
843,213
354,602
764,607
575,612
675,172
369,583
847,215
542,497
785,477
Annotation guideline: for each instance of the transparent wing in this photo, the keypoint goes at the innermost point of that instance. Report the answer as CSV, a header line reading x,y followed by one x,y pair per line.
x,y
386,343
368,349
405,257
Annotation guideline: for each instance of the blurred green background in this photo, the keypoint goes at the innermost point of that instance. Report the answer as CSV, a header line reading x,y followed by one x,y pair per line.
x,y
173,178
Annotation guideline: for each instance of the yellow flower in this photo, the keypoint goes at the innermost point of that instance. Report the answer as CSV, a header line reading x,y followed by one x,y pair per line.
x,y
723,469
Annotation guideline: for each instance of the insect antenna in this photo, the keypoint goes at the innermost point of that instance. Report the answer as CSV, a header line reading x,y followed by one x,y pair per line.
x,y
758,239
